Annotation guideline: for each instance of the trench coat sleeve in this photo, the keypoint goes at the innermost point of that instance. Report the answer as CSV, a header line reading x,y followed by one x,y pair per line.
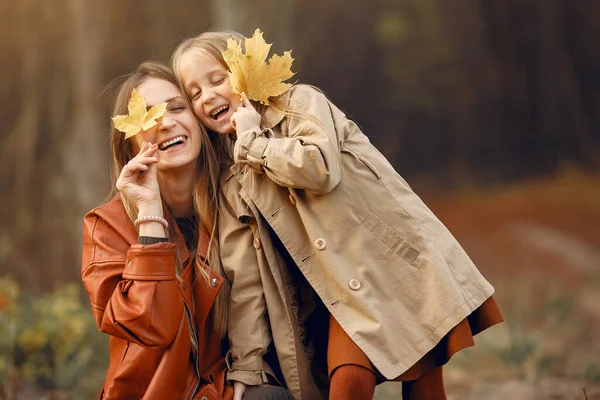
x,y
132,288
249,332
307,156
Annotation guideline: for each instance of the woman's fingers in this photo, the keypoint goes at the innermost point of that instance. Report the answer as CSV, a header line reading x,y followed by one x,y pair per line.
x,y
134,166
147,160
149,149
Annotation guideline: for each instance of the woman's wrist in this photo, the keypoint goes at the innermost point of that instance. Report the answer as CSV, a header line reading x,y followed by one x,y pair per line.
x,y
151,209
152,228
148,227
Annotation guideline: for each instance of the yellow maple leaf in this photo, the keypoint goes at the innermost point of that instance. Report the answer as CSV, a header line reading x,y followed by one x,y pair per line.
x,y
251,74
139,119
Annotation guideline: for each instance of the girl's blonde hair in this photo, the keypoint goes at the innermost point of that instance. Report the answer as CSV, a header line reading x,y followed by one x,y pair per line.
x,y
208,169
214,43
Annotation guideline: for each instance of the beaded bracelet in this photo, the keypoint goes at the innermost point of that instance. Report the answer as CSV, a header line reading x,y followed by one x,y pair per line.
x,y
151,218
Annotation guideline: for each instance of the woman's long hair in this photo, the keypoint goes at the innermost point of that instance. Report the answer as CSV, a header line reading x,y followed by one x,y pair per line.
x,y
205,193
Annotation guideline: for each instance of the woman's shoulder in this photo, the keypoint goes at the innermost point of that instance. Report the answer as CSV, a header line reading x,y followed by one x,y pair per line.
x,y
109,221
110,208
111,213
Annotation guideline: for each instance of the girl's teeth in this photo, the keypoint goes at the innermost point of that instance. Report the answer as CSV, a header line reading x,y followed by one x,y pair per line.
x,y
218,110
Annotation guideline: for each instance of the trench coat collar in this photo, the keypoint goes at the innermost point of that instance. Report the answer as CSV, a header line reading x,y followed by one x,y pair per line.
x,y
273,117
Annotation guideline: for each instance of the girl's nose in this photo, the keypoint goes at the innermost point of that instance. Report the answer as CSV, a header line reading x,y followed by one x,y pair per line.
x,y
207,96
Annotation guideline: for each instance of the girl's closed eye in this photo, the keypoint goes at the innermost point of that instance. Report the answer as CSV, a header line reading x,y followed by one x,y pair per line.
x,y
218,80
195,94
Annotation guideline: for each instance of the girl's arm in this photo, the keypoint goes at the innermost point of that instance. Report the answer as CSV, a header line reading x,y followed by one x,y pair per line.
x,y
307,157
132,288
249,331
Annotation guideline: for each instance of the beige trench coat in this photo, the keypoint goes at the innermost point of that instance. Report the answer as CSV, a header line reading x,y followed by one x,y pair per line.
x,y
385,267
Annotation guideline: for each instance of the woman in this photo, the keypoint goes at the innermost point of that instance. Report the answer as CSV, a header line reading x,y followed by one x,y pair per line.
x,y
150,264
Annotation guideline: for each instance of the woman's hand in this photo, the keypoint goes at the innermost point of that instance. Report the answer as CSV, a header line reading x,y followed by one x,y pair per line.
x,y
138,180
239,389
245,118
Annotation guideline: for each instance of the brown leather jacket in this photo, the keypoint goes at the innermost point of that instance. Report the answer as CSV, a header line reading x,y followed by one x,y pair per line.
x,y
137,300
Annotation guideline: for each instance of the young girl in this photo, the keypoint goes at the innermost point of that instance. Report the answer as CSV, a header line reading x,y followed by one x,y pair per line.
x,y
144,252
309,193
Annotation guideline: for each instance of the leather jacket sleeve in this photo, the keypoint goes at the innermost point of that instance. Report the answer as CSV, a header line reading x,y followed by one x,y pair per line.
x,y
132,287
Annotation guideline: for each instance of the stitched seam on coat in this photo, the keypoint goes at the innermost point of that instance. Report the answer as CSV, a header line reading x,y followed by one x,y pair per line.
x,y
134,275
92,236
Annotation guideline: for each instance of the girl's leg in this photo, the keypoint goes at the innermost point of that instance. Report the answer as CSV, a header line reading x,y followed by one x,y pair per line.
x,y
350,371
430,386
352,382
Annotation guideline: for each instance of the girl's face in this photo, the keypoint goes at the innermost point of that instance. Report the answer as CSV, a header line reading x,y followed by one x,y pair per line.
x,y
177,132
207,84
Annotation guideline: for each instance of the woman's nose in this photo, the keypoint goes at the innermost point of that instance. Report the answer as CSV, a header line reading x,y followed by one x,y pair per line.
x,y
167,121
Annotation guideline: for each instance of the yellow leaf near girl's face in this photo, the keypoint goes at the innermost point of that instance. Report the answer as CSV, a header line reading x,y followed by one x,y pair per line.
x,y
139,119
251,74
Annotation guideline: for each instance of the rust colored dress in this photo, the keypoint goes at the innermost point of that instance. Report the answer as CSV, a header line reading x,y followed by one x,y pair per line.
x,y
342,350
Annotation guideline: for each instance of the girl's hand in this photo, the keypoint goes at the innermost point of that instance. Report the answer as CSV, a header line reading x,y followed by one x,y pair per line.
x,y
138,180
245,118
239,389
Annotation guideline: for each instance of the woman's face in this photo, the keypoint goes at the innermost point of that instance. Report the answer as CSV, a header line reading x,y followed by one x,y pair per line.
x,y
177,132
207,84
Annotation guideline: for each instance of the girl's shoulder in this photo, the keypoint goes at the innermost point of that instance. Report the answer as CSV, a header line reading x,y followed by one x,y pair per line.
x,y
301,93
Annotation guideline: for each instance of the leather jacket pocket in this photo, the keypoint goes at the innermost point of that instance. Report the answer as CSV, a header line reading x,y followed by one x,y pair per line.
x,y
208,392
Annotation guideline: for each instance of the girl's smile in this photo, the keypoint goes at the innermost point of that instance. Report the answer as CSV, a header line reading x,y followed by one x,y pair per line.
x,y
206,82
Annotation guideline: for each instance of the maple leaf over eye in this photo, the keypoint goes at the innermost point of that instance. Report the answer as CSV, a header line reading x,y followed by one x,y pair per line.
x,y
139,119
251,74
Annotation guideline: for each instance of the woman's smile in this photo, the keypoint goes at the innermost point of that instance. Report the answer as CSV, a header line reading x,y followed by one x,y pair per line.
x,y
172,144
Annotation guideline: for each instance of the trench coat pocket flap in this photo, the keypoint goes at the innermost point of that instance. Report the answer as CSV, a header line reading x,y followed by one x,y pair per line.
x,y
363,160
390,238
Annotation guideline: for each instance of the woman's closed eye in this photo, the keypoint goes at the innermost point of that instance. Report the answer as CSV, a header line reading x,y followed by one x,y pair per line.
x,y
177,106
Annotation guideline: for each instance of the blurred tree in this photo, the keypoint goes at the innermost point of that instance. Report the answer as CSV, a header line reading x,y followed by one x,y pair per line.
x,y
461,91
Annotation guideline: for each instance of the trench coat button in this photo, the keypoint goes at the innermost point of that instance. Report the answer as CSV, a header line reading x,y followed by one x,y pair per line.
x,y
214,282
320,244
292,200
203,398
129,263
354,284
257,244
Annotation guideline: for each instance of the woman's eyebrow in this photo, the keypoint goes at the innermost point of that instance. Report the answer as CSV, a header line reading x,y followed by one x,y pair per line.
x,y
170,99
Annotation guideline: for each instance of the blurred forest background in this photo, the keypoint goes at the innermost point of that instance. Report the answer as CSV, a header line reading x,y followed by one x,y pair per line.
x,y
489,108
